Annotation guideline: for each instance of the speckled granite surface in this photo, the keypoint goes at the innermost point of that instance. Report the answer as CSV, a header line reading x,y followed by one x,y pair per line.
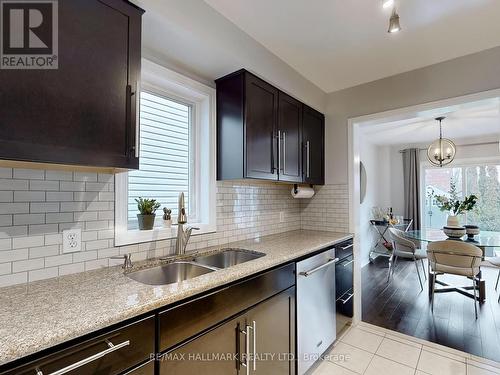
x,y
41,314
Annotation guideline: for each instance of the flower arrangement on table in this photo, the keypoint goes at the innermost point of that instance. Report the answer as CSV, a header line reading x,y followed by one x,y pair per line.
x,y
455,206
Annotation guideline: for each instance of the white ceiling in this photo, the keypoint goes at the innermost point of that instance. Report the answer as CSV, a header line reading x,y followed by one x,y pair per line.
x,y
341,43
472,121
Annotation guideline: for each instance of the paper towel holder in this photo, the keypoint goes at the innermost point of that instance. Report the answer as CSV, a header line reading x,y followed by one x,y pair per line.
x,y
296,187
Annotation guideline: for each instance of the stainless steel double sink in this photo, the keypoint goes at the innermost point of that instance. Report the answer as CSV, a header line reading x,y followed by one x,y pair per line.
x,y
181,270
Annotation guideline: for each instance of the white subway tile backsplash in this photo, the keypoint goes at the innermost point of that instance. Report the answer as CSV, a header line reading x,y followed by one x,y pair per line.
x,y
43,251
32,174
65,196
6,196
5,172
28,265
5,244
14,208
79,176
63,217
10,184
44,207
5,268
11,231
44,185
32,241
72,186
5,220
13,278
59,175
42,274
42,229
30,230
58,260
23,219
69,269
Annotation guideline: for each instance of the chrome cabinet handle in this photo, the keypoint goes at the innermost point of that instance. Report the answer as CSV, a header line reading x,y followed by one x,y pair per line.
x,y
254,329
347,247
307,159
348,263
284,152
310,272
279,151
344,301
137,116
92,358
246,332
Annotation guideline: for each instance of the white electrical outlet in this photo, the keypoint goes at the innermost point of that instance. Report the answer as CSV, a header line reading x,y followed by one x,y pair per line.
x,y
282,217
72,240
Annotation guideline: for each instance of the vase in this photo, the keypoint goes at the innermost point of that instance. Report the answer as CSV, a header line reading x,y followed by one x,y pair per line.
x,y
167,223
452,221
146,222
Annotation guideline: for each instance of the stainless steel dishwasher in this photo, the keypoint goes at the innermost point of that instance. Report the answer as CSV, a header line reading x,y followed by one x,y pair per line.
x,y
316,325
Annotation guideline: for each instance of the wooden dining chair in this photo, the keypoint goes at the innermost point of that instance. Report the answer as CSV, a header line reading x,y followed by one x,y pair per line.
x,y
454,258
402,247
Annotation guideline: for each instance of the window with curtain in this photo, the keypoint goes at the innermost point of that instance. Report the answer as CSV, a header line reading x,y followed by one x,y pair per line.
x,y
164,154
482,180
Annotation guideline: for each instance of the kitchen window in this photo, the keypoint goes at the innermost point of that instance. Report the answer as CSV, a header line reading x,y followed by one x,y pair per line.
x,y
176,154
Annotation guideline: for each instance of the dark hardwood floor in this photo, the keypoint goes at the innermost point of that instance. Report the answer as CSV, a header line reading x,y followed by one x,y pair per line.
x,y
401,306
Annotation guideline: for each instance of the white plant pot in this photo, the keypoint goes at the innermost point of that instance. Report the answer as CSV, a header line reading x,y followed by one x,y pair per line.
x,y
167,223
453,221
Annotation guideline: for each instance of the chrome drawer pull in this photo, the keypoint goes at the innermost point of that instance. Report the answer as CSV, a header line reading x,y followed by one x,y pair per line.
x,y
344,301
112,348
350,262
254,329
347,247
310,272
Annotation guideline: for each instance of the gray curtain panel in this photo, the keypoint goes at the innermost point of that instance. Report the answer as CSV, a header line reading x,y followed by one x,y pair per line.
x,y
411,176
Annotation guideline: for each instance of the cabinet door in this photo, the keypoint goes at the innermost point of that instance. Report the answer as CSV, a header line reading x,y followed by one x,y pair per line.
x,y
272,337
261,115
290,130
313,141
215,352
83,112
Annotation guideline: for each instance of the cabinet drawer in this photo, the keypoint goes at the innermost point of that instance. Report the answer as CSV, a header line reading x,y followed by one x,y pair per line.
x,y
191,318
110,353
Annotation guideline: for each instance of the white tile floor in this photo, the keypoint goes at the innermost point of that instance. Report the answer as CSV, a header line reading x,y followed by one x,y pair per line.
x,y
371,350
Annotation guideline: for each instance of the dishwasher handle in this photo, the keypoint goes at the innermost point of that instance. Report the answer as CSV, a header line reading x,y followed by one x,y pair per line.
x,y
310,272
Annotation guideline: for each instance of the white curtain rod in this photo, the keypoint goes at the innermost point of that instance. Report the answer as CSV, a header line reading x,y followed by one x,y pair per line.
x,y
464,145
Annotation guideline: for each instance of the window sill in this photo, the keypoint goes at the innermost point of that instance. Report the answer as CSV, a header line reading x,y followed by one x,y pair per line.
x,y
129,237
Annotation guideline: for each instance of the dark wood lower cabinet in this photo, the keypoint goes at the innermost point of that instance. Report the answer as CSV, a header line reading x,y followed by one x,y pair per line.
x,y
260,339
112,353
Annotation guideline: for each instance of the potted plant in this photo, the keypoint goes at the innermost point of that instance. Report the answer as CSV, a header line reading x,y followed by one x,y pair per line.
x,y
146,215
167,218
454,205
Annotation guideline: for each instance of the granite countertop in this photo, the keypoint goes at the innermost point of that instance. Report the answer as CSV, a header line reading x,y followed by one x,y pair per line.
x,y
38,315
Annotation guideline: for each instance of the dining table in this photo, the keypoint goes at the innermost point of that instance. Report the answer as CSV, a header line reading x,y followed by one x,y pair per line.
x,y
487,241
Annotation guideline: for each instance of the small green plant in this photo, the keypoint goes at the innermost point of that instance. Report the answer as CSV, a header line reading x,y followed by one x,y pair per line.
x,y
453,203
147,206
167,214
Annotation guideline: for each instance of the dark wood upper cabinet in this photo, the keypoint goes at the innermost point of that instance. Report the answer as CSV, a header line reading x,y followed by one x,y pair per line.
x,y
259,131
313,141
261,117
83,112
290,133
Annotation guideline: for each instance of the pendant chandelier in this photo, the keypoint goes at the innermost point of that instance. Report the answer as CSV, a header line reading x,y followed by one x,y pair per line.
x,y
442,151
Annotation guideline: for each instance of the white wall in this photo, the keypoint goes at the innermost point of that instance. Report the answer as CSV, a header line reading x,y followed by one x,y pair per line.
x,y
192,38
464,75
376,160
